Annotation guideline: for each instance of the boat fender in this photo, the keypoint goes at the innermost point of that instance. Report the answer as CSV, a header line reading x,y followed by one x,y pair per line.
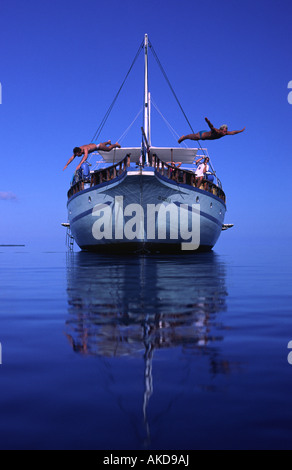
x,y
210,177
85,170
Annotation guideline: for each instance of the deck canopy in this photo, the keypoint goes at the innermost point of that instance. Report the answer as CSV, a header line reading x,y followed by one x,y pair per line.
x,y
166,154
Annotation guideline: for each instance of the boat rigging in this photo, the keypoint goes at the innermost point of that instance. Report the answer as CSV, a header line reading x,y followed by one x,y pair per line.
x,y
143,199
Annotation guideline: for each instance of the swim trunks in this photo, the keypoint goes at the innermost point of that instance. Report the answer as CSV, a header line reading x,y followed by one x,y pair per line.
x,y
202,132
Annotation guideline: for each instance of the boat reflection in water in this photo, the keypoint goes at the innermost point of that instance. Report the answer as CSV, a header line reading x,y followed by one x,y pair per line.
x,y
135,306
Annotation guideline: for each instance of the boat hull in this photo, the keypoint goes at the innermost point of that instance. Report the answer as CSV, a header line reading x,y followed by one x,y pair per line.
x,y
145,211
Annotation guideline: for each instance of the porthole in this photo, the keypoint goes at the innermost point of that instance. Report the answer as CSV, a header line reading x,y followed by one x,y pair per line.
x,y
211,204
89,199
197,200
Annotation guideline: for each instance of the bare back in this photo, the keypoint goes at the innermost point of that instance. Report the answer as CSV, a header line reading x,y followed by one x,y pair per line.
x,y
89,147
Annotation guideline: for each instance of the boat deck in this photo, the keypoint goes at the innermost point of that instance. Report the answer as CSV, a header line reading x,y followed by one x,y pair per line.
x,y
157,168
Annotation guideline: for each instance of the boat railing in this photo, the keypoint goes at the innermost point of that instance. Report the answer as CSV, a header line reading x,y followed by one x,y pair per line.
x,y
173,173
98,177
186,177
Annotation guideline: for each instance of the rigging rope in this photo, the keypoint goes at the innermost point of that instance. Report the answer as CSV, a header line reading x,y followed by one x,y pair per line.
x,y
99,129
173,131
174,94
170,86
175,134
132,123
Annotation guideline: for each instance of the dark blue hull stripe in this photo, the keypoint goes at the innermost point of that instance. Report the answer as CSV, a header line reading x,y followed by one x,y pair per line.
x,y
203,214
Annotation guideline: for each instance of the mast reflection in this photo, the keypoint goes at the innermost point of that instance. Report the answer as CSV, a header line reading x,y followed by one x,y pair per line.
x,y
118,305
133,306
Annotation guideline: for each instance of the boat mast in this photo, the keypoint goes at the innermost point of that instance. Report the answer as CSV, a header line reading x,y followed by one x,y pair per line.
x,y
146,93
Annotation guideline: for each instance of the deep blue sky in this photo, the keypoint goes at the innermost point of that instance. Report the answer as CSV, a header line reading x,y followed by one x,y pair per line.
x,y
63,61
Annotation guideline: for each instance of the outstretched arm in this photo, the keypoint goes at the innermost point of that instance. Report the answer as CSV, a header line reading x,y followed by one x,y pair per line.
x,y
235,132
209,124
83,159
69,161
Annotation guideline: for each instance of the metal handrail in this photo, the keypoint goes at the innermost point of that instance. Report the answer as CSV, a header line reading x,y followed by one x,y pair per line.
x,y
182,176
100,176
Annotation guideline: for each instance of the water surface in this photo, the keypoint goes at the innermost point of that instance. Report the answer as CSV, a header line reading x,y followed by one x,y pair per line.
x,y
145,352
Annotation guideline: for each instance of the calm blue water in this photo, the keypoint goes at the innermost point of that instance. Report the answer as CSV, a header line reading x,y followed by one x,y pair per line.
x,y
158,352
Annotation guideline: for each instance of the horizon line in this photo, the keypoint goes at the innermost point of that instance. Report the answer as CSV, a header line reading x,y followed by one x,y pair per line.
x,y
11,245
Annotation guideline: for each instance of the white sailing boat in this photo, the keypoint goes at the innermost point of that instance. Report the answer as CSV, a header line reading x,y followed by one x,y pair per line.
x,y
142,201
